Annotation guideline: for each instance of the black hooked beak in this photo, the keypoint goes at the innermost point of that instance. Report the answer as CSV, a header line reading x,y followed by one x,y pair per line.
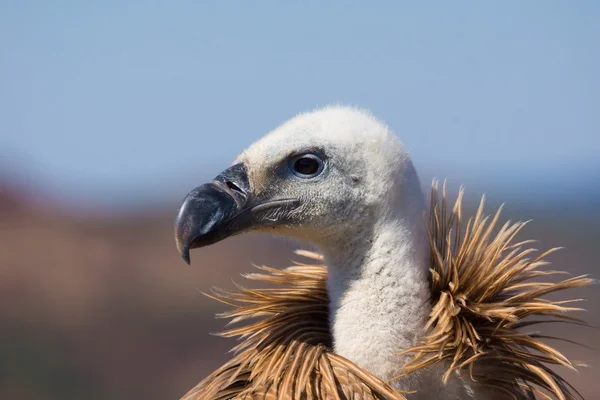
x,y
219,209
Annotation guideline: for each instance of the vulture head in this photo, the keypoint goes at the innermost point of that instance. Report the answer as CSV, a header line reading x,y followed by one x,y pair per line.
x,y
329,177
341,180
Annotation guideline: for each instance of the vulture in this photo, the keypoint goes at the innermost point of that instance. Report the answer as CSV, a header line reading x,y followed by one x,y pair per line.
x,y
406,298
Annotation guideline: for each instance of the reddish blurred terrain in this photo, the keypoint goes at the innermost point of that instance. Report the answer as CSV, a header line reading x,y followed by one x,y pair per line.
x,y
100,306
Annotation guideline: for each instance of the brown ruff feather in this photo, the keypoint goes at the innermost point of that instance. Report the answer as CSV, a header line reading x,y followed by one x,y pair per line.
x,y
287,352
482,288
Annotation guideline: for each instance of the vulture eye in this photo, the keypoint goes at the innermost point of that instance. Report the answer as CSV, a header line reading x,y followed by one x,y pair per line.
x,y
306,165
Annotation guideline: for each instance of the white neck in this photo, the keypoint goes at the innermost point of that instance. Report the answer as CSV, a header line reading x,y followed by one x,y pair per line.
x,y
378,286
379,296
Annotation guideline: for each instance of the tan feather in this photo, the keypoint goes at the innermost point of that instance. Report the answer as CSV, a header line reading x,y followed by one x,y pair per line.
x,y
286,354
483,287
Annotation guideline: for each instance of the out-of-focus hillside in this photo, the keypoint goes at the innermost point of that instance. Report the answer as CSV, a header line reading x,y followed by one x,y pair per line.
x,y
102,307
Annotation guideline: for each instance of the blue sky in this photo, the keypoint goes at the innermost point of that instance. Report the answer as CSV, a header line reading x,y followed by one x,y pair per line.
x,y
112,101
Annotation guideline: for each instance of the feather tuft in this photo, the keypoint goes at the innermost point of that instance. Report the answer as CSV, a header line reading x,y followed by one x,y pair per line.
x,y
483,288
286,349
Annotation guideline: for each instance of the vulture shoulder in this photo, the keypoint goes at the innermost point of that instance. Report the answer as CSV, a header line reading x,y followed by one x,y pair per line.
x,y
485,285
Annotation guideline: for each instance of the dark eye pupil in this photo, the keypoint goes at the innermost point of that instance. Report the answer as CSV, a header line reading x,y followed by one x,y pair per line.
x,y
306,166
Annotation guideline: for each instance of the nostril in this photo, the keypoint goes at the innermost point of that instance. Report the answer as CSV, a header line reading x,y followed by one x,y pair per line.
x,y
233,186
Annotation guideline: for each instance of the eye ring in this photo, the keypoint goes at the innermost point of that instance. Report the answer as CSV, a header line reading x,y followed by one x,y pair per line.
x,y
306,165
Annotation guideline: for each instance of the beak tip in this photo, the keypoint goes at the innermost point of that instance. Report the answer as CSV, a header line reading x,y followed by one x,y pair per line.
x,y
186,256
183,249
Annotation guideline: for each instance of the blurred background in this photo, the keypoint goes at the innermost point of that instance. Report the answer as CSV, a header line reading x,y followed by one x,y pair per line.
x,y
110,112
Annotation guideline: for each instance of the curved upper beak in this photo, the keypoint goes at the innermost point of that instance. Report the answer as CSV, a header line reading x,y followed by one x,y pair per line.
x,y
221,208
